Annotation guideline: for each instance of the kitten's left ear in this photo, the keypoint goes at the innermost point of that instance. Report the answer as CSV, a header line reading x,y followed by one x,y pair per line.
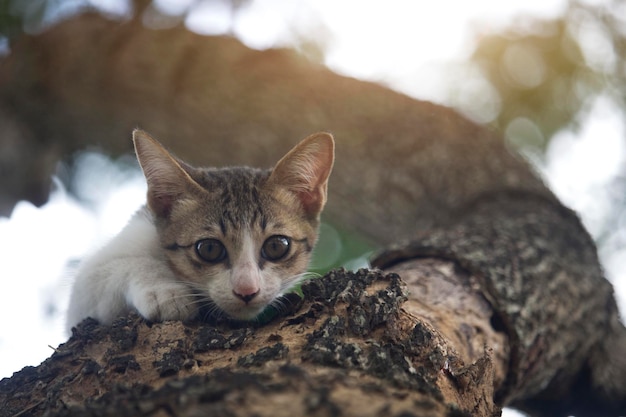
x,y
305,170
168,181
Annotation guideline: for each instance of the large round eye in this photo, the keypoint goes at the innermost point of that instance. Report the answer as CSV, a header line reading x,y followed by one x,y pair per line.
x,y
275,248
211,250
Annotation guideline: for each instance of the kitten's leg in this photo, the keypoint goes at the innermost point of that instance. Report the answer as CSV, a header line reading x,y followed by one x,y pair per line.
x,y
98,292
109,289
157,295
130,272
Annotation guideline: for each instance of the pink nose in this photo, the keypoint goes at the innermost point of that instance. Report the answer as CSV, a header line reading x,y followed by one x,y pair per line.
x,y
246,298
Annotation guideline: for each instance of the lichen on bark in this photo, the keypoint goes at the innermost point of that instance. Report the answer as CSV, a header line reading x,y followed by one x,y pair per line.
x,y
343,353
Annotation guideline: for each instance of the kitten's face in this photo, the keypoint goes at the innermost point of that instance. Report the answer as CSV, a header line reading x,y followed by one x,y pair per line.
x,y
243,244
240,237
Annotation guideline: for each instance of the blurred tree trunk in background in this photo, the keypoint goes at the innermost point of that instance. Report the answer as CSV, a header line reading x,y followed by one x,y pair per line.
x,y
502,300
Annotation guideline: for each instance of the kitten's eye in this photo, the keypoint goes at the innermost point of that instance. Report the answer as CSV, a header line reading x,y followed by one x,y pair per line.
x,y
211,250
275,248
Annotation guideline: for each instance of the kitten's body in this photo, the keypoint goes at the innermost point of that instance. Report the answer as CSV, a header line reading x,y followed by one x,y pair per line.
x,y
234,239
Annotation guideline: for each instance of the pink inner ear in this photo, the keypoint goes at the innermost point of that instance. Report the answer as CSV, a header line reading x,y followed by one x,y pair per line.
x,y
305,170
310,201
165,186
299,177
168,179
307,179
161,205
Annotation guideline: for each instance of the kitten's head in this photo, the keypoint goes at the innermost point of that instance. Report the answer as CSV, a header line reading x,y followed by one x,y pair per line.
x,y
239,236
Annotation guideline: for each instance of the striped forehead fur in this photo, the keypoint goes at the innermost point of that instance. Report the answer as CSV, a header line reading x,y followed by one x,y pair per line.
x,y
238,192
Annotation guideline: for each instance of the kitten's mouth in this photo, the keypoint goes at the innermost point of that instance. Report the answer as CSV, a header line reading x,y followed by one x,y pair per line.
x,y
259,315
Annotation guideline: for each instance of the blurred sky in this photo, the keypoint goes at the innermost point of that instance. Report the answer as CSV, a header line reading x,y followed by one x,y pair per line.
x,y
404,45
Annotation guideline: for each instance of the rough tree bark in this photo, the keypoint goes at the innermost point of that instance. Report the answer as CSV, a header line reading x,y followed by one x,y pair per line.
x,y
498,298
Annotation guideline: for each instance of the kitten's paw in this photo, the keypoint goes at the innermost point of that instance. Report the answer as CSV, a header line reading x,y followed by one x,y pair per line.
x,y
170,301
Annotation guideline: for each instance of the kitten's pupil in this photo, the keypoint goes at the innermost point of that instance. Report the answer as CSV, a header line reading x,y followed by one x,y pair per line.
x,y
211,250
275,248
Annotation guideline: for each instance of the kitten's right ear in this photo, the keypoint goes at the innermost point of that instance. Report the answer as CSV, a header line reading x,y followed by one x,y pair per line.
x,y
167,180
304,171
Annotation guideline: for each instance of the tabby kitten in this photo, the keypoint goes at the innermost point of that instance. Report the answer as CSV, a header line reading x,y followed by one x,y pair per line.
x,y
233,238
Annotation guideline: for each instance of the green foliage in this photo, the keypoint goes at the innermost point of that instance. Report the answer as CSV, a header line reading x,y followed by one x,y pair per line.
x,y
337,248
546,72
536,75
10,22
32,16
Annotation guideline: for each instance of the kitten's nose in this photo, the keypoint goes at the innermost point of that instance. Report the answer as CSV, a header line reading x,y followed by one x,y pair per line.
x,y
246,298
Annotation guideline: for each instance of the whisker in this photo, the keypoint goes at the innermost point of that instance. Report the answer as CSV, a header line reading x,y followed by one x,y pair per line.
x,y
279,304
212,312
198,296
311,274
282,305
289,283
209,311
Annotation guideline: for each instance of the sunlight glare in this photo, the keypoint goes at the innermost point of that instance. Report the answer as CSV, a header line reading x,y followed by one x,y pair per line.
x,y
41,247
39,242
579,168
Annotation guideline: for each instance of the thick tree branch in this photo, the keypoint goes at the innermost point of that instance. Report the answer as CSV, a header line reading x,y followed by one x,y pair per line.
x,y
537,267
89,82
349,350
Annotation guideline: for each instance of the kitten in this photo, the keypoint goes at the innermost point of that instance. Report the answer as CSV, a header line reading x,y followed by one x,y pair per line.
x,y
235,238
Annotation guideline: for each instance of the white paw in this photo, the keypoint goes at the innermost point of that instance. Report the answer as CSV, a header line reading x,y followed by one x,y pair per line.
x,y
165,301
